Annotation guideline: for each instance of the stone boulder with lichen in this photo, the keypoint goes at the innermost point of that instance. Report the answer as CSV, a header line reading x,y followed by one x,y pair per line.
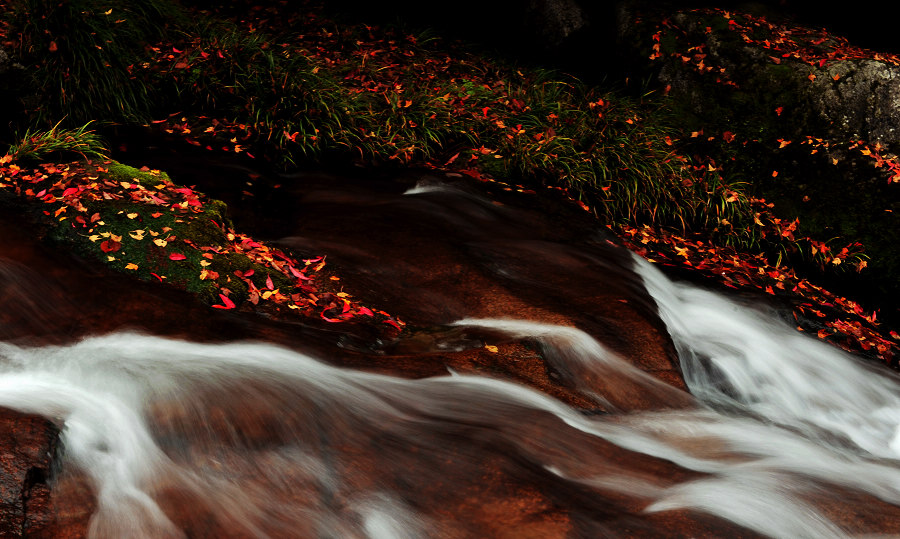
x,y
808,120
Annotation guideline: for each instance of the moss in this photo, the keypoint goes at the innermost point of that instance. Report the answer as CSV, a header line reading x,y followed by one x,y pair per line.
x,y
123,173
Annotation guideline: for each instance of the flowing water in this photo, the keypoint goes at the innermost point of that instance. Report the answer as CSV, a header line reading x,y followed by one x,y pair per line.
x,y
162,436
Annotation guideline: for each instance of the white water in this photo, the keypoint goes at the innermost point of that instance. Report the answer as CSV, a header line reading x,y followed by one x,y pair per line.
x,y
782,420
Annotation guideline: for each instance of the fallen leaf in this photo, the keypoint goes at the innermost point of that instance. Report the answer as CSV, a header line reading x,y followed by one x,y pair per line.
x,y
226,303
110,246
489,347
131,266
177,256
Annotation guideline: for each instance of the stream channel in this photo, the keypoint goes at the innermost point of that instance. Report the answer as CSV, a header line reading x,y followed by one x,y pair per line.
x,y
551,384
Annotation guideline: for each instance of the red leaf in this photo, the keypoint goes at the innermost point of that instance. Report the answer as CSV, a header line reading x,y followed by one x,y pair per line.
x,y
328,319
228,304
177,256
110,246
366,311
269,284
392,323
296,273
728,136
248,273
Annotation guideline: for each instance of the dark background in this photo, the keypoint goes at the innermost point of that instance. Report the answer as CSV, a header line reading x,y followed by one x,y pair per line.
x,y
514,28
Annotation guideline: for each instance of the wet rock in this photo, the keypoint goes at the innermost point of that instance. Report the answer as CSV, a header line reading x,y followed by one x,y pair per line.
x,y
27,450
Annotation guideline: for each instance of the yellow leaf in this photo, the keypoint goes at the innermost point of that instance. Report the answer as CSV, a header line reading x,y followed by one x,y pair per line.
x,y
94,237
126,185
137,234
110,258
267,294
131,266
204,263
115,238
131,215
160,242
491,348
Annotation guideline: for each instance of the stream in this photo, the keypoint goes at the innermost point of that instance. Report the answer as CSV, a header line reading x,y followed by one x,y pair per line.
x,y
618,403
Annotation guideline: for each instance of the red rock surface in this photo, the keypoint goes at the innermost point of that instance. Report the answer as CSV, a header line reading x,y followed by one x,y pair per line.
x,y
27,449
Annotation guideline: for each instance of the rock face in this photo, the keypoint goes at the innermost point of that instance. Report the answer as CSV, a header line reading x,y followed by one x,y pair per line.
x,y
553,21
864,102
812,123
27,450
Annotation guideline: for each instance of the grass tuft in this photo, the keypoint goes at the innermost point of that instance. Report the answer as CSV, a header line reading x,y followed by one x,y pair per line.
x,y
38,145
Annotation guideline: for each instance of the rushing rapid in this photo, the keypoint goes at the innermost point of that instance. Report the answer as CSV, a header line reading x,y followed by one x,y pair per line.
x,y
779,435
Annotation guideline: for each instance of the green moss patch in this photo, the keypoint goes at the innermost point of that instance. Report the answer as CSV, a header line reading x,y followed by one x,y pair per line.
x,y
138,222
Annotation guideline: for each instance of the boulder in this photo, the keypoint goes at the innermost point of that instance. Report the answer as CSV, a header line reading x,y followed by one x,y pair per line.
x,y
808,120
27,450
